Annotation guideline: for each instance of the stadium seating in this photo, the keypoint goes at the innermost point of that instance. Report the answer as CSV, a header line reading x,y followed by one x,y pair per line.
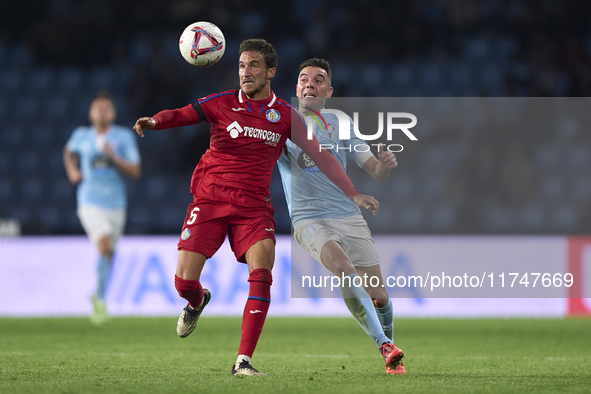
x,y
433,191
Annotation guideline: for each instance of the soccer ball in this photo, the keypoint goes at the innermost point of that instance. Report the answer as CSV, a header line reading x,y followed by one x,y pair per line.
x,y
202,44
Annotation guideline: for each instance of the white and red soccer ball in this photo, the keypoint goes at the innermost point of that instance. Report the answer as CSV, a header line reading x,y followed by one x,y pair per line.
x,y
202,44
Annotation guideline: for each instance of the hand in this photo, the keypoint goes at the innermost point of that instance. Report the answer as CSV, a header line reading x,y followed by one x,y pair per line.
x,y
367,202
387,158
108,150
144,123
75,176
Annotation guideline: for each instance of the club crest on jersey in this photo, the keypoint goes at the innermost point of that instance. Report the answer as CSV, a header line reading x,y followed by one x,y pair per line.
x,y
185,234
272,115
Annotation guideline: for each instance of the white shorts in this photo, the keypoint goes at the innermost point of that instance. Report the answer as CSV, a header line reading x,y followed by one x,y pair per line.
x,y
351,233
98,222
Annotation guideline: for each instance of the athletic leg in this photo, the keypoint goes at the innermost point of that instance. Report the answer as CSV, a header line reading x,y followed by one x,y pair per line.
x,y
358,245
104,265
380,299
203,233
186,280
384,311
356,298
103,228
188,272
260,258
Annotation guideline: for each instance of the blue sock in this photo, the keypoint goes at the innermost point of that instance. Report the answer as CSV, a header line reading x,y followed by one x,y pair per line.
x,y
361,307
385,314
104,274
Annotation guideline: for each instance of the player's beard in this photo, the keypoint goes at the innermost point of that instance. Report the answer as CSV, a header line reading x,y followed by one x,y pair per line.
x,y
256,89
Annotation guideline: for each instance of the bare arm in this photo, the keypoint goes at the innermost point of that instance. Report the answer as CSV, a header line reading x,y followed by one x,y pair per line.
x,y
72,171
379,168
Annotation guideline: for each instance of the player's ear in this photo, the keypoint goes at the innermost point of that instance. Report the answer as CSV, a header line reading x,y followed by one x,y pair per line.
x,y
271,72
329,92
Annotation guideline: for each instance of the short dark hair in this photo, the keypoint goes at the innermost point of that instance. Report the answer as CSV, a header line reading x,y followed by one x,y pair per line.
x,y
323,64
103,94
261,46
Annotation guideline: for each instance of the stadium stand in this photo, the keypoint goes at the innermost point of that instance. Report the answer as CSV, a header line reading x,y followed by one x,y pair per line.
x,y
500,48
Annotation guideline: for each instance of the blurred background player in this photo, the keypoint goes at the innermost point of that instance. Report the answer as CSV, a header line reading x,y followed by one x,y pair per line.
x,y
230,188
325,221
96,159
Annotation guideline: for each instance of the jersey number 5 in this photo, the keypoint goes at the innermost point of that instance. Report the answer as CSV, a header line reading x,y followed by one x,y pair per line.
x,y
193,216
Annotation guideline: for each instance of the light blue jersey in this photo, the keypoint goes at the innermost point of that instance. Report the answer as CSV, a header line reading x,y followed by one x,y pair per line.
x,y
309,193
102,184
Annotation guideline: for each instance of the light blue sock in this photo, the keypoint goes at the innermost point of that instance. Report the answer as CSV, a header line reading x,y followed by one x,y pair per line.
x,y
385,314
104,274
361,307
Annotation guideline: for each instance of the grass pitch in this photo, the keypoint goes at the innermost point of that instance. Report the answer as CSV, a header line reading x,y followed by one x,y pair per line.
x,y
300,355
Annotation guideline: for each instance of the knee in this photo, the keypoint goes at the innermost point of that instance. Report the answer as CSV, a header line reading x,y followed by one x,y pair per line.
x,y
345,267
380,302
186,288
105,247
